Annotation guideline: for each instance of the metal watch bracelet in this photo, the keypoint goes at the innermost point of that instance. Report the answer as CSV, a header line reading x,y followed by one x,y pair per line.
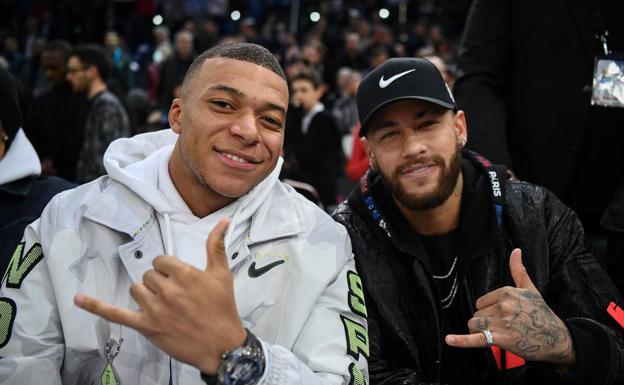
x,y
243,365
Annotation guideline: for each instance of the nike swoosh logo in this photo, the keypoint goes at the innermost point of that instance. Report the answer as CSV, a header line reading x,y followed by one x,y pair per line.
x,y
383,83
255,273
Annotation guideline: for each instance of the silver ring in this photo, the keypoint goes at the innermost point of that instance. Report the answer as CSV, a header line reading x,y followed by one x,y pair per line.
x,y
489,338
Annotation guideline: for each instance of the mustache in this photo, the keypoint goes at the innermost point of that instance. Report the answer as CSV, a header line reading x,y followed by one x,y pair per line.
x,y
433,160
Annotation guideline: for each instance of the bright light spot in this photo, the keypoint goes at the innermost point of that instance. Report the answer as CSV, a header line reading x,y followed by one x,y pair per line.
x,y
315,16
134,66
157,20
235,15
384,13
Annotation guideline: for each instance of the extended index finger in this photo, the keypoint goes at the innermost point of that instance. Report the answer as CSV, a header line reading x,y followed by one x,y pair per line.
x,y
110,312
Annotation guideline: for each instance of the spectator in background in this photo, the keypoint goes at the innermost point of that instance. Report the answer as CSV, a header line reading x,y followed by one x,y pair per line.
x,y
173,69
208,34
121,77
58,115
162,45
351,55
358,161
107,119
313,54
443,68
249,34
13,56
23,191
526,85
345,107
377,56
312,141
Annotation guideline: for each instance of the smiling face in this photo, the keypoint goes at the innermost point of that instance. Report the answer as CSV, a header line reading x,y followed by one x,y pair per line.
x,y
231,123
416,146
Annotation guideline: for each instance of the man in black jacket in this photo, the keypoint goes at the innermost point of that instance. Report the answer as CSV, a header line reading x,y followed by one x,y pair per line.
x,y
469,278
526,84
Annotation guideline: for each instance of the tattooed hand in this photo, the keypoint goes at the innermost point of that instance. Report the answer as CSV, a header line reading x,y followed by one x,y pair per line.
x,y
520,322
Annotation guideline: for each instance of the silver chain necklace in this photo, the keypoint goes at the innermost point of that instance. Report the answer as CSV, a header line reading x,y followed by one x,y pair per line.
x,y
447,301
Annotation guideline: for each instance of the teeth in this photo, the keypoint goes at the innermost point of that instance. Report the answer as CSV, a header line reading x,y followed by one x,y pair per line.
x,y
234,158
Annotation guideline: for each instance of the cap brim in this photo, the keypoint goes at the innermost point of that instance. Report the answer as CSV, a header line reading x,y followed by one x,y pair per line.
x,y
364,125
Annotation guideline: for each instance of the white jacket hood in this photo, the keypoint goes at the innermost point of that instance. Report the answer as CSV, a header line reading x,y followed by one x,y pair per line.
x,y
134,162
20,160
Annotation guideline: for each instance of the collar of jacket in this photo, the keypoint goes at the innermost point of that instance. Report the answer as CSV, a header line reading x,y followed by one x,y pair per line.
x,y
19,187
121,210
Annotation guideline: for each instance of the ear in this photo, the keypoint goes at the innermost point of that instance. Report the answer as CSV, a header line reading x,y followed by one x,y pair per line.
x,y
175,115
459,121
372,162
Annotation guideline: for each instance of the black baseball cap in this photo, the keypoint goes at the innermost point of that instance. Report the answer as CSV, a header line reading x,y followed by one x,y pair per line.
x,y
398,79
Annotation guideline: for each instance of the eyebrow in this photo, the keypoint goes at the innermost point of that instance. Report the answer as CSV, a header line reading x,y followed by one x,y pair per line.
x,y
230,90
241,94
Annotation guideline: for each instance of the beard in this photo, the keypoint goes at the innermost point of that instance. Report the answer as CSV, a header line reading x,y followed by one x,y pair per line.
x,y
426,201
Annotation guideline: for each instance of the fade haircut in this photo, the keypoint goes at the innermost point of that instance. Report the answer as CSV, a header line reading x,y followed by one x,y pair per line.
x,y
93,55
249,52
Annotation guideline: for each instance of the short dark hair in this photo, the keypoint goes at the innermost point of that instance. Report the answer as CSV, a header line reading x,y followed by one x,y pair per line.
x,y
93,54
308,75
62,47
249,52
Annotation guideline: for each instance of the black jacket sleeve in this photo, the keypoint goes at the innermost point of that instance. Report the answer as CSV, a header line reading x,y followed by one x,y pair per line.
x,y
380,371
482,88
580,293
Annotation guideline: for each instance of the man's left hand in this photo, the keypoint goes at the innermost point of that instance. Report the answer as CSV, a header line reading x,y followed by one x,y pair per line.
x,y
189,313
520,322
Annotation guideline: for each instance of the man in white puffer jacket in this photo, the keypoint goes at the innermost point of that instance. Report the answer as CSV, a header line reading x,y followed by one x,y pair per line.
x,y
274,300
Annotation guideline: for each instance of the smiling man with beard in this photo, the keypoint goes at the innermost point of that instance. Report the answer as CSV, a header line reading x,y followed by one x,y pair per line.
x,y
470,278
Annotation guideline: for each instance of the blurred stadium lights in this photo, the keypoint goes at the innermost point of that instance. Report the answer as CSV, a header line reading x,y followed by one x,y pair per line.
x,y
315,17
384,13
235,15
157,20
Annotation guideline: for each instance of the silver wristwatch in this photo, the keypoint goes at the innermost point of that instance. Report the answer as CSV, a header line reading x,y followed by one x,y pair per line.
x,y
243,365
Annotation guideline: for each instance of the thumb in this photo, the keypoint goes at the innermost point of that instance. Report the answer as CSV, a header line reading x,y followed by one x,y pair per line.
x,y
215,246
518,272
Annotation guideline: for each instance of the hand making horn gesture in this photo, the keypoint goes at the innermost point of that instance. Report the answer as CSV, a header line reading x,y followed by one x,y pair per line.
x,y
518,320
189,313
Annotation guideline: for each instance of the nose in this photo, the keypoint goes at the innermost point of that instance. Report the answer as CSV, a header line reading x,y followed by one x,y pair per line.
x,y
414,145
245,128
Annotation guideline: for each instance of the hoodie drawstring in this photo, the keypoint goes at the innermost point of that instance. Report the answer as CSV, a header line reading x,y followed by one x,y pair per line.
x,y
168,235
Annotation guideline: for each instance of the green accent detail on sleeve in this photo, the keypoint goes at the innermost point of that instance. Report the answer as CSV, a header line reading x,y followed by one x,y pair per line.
x,y
109,377
357,377
356,294
7,316
357,338
20,264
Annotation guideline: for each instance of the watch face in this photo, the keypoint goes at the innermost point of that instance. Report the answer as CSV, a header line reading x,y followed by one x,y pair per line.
x,y
242,371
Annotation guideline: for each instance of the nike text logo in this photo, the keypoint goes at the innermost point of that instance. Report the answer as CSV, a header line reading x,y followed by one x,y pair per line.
x,y
385,83
255,273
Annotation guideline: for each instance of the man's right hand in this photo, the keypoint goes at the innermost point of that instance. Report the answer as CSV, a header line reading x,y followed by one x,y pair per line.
x,y
520,322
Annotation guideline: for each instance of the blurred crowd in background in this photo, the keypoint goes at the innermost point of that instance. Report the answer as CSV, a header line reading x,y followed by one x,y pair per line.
x,y
151,43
